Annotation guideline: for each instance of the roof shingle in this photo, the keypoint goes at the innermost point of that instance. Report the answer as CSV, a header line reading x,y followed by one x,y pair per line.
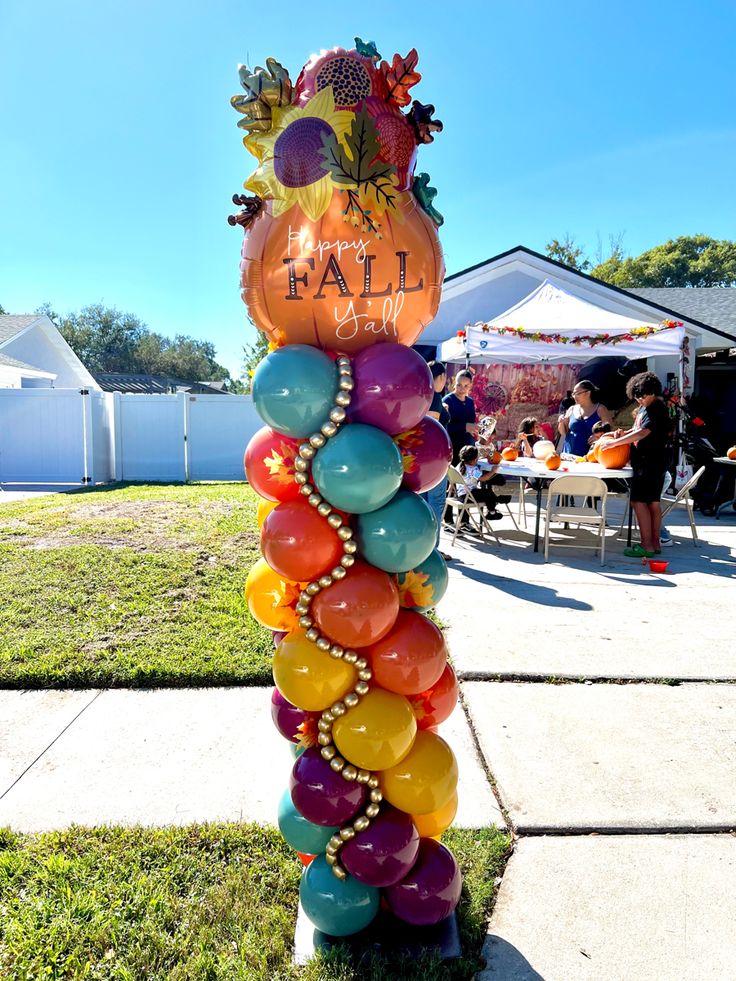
x,y
12,324
711,305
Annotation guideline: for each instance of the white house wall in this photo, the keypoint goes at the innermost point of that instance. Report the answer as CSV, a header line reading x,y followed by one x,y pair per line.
x,y
34,347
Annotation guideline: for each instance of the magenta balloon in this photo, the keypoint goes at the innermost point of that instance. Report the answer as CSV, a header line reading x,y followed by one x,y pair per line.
x,y
384,853
287,717
427,453
393,388
278,636
321,795
431,891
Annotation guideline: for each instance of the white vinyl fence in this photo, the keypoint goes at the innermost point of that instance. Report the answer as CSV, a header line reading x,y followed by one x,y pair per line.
x,y
76,437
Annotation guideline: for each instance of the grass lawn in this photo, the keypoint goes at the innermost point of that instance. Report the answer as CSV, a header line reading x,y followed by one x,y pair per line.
x,y
200,902
138,585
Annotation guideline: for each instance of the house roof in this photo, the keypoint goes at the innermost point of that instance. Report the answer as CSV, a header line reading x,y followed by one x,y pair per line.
x,y
28,370
136,384
717,306
12,324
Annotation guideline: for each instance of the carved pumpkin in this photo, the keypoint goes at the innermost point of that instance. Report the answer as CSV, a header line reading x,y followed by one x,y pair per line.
x,y
731,453
612,458
331,285
510,453
553,461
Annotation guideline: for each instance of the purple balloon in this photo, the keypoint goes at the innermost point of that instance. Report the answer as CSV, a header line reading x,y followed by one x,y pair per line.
x,y
321,795
287,717
427,453
393,388
384,853
278,636
431,891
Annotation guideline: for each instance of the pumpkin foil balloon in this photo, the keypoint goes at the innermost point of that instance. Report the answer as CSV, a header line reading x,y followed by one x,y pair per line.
x,y
341,248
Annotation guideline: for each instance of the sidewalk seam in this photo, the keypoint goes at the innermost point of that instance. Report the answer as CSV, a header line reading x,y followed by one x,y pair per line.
x,y
54,740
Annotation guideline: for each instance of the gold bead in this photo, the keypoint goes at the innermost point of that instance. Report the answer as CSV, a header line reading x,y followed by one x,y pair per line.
x,y
327,716
361,664
323,643
324,509
306,490
335,842
305,622
350,547
362,688
343,359
373,782
305,597
350,772
372,810
337,763
330,859
346,834
363,776
342,399
346,384
313,588
324,738
301,607
301,465
337,415
361,823
312,634
337,651
315,500
376,796
328,429
328,753
324,726
325,581
344,533
301,478
351,700
338,573
317,440
330,850
346,371
350,656
335,521
347,560
306,451
365,675
337,709
339,872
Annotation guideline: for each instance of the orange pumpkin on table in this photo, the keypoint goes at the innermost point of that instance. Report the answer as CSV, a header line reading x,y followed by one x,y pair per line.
x,y
614,457
496,458
731,453
509,453
591,456
553,461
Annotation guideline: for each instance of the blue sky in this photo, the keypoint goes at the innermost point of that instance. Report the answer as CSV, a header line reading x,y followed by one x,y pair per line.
x,y
119,150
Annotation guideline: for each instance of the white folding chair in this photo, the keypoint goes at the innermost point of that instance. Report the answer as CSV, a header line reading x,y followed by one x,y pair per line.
x,y
683,499
564,488
465,505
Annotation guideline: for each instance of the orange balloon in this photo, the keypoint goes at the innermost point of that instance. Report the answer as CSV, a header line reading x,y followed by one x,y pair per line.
x,y
425,780
411,657
435,705
360,609
269,597
308,677
334,286
434,824
298,543
265,507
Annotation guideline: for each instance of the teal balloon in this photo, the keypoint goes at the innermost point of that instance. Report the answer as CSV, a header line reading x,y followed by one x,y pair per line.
x,y
294,389
359,469
433,575
398,536
339,907
297,750
311,839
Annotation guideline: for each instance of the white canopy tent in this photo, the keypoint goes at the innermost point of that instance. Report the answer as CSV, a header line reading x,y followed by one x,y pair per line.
x,y
577,326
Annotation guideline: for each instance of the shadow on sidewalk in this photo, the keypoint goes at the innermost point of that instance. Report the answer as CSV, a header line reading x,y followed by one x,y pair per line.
x,y
506,962
531,591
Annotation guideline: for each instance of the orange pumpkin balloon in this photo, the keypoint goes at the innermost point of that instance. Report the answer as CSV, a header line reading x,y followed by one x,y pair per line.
x,y
510,453
613,457
553,461
331,285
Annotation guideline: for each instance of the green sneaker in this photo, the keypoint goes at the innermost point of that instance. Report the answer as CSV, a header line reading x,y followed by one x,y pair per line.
x,y
637,552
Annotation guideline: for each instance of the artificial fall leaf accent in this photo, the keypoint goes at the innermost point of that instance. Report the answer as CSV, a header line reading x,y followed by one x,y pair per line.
x,y
401,76
307,733
290,595
421,705
409,462
264,88
409,439
281,464
415,590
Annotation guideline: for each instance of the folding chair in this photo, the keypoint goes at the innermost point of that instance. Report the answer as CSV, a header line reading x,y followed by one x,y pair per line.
x,y
465,505
564,488
683,499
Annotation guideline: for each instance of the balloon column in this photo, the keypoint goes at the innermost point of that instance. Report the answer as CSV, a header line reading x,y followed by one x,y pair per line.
x,y
342,270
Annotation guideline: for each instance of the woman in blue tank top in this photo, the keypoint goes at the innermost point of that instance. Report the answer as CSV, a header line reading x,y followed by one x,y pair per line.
x,y
577,423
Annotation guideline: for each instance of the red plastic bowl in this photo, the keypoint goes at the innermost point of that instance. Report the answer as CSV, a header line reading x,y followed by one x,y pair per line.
x,y
657,565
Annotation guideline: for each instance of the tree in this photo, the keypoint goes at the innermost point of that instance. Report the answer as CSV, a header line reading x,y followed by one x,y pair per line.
x,y
2,311
567,252
252,354
690,260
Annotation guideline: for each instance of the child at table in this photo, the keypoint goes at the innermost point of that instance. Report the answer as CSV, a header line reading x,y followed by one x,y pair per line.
x,y
478,481
529,434
649,457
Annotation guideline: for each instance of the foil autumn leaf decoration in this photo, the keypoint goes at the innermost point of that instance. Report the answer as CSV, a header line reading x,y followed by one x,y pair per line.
x,y
290,595
409,462
415,591
281,465
401,76
307,733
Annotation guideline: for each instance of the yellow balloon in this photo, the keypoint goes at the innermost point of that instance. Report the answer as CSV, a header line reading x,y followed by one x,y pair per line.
x,y
434,824
265,507
378,732
425,780
271,598
308,677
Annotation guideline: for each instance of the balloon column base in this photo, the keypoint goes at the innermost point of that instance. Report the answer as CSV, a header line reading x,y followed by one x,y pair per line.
x,y
386,935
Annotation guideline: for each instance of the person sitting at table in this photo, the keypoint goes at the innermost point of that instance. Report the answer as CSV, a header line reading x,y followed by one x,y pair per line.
x,y
478,481
577,424
530,433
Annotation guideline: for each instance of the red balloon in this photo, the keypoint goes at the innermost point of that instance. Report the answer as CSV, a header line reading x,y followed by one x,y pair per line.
x,y
426,451
269,465
411,657
435,705
359,609
297,542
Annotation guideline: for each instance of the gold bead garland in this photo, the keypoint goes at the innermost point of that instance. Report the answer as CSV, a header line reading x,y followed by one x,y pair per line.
x,y
302,465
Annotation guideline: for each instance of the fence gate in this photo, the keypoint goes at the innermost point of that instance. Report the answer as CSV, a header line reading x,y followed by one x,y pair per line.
x,y
45,436
218,430
150,437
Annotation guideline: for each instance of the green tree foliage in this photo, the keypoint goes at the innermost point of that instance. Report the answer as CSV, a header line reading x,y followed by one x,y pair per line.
x,y
567,252
2,311
252,354
690,260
